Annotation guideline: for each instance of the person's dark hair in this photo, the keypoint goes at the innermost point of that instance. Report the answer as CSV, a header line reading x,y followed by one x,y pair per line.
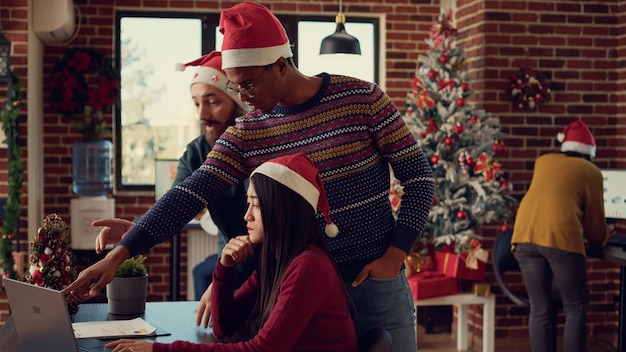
x,y
578,155
289,225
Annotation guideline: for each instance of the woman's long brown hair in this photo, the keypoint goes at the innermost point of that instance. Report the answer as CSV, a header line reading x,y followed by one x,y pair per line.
x,y
290,225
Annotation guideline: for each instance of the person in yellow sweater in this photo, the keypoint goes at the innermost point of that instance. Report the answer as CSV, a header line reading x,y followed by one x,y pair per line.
x,y
562,210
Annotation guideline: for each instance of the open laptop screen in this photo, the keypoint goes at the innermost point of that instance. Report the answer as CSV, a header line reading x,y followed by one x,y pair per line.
x,y
614,193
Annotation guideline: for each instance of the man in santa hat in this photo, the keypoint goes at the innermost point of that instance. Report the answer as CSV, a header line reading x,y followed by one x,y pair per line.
x,y
352,132
562,210
217,109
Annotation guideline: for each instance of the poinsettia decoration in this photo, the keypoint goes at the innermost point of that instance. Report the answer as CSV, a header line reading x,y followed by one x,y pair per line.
x,y
51,258
85,85
529,88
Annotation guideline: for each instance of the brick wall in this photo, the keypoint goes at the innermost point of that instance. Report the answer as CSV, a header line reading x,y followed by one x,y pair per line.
x,y
578,45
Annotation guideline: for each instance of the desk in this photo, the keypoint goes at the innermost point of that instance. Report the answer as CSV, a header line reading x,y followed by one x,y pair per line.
x,y
616,255
178,318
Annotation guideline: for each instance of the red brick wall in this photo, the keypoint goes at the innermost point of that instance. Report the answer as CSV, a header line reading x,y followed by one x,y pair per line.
x,y
578,45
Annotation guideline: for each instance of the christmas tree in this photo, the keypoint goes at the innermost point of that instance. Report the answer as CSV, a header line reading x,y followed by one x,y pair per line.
x,y
51,258
461,142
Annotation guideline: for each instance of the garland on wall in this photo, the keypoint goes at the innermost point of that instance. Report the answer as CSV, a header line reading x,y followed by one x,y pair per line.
x,y
10,115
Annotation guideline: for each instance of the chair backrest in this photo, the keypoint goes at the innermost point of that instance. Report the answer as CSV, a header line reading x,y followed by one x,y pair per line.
x,y
504,261
375,340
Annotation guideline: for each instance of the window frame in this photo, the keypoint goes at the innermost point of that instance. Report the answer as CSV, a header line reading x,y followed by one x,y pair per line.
x,y
209,22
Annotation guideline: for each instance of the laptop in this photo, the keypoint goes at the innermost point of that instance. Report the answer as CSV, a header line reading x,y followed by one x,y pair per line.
x,y
42,320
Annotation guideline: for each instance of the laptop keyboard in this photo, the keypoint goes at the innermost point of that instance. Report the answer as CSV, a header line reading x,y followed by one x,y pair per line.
x,y
92,349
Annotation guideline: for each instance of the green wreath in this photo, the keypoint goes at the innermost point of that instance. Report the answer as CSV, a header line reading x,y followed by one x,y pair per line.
x,y
529,88
85,85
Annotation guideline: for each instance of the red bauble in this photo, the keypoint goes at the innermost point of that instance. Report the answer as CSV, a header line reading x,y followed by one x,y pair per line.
x,y
458,128
464,86
470,162
432,74
434,159
505,227
449,140
460,102
495,147
444,58
461,214
473,118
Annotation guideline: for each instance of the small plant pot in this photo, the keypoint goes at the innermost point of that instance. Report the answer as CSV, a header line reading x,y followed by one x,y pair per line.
x,y
127,295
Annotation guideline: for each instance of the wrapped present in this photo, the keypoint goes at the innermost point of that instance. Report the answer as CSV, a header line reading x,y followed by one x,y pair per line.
x,y
482,290
460,267
429,284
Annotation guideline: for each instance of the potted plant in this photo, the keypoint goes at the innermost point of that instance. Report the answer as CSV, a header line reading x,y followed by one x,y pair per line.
x,y
127,292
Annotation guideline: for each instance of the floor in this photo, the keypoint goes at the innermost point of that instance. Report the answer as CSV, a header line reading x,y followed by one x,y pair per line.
x,y
446,342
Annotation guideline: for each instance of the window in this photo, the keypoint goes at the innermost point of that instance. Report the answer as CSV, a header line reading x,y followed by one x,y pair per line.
x,y
155,118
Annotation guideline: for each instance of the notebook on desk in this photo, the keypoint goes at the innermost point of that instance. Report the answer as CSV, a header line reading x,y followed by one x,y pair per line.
x,y
42,320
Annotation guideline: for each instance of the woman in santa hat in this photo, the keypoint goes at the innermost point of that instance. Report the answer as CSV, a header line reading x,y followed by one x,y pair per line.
x,y
562,210
297,295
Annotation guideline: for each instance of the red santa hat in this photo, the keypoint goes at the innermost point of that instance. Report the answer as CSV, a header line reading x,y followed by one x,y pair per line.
x,y
576,137
253,36
210,71
298,173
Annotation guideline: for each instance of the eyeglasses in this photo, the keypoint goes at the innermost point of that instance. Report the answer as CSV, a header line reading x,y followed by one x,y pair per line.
x,y
246,88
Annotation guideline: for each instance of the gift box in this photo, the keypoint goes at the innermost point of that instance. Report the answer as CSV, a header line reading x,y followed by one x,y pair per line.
x,y
456,266
431,284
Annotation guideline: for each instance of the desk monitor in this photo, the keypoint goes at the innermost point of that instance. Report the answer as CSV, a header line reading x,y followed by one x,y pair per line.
x,y
164,176
614,193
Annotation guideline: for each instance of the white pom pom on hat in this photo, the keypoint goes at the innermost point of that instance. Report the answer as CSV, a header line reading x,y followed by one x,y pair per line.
x,y
298,173
576,137
253,36
210,71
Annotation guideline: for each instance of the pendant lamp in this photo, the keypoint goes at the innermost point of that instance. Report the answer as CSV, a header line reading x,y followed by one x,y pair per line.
x,y
340,42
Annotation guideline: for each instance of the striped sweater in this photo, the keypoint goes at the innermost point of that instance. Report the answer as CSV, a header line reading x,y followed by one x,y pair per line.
x,y
353,133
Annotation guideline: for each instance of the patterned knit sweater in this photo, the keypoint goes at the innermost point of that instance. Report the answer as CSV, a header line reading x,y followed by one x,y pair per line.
x,y
353,133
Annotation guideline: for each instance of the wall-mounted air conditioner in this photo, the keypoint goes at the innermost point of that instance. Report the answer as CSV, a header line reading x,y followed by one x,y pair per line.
x,y
54,20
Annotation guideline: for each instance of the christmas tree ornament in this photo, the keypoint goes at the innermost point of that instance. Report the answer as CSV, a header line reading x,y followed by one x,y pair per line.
x,y
505,227
460,102
461,214
458,128
449,140
435,159
464,86
432,75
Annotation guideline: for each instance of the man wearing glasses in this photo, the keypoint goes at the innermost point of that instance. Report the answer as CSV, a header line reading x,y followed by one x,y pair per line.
x,y
353,133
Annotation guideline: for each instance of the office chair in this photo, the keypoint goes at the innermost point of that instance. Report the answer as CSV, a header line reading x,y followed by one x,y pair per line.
x,y
504,261
375,340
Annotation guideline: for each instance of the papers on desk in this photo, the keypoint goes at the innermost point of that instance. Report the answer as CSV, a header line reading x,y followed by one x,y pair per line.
x,y
113,329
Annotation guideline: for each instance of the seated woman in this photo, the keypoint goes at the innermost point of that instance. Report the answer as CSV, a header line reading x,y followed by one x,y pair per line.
x,y
296,295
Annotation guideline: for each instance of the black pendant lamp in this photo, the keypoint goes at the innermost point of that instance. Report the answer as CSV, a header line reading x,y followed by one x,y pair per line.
x,y
340,42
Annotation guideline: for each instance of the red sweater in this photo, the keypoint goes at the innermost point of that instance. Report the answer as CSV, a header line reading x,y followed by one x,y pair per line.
x,y
310,314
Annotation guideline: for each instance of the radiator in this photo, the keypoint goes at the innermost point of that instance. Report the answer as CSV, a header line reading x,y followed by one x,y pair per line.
x,y
199,246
